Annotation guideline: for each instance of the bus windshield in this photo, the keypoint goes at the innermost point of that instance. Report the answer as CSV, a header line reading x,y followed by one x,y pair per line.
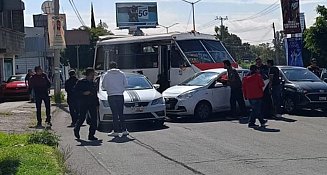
x,y
204,51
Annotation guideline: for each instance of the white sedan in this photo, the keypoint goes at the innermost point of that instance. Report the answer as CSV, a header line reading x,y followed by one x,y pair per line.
x,y
142,102
200,95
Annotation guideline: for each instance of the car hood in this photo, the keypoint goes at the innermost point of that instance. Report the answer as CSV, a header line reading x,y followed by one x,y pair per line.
x,y
178,90
15,84
311,86
145,95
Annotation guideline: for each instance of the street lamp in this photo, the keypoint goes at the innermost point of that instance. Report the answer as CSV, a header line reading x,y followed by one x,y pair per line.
x,y
167,27
192,3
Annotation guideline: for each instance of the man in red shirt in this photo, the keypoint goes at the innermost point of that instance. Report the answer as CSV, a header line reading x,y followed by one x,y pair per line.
x,y
253,91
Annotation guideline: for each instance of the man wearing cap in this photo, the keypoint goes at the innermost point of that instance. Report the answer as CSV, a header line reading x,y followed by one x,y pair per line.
x,y
314,68
71,98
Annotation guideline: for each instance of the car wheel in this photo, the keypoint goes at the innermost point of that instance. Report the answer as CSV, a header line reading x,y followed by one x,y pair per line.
x,y
203,110
289,105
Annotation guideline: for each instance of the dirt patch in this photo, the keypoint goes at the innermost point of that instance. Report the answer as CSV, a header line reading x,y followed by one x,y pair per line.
x,y
18,119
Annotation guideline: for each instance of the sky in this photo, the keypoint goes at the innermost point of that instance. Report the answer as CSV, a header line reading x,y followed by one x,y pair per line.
x,y
244,18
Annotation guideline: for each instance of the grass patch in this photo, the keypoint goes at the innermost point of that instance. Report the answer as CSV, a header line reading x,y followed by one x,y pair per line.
x,y
30,154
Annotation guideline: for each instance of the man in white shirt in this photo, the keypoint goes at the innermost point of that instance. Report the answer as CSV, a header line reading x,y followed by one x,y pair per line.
x,y
115,82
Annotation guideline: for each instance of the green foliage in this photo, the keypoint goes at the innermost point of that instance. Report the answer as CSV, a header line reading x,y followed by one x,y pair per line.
x,y
44,137
19,157
58,98
315,38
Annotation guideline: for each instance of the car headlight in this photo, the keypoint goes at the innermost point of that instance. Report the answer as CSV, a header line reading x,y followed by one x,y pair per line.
x,y
158,101
105,103
300,90
187,94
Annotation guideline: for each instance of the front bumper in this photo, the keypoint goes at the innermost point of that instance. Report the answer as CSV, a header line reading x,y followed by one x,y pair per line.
x,y
132,114
312,100
176,106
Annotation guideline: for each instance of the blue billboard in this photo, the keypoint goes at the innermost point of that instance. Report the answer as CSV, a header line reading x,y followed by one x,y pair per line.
x,y
136,14
293,47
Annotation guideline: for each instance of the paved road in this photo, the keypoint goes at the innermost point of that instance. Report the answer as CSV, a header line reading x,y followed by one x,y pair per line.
x,y
294,145
11,105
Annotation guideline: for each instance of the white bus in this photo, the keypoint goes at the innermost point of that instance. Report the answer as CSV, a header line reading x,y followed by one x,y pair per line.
x,y
176,56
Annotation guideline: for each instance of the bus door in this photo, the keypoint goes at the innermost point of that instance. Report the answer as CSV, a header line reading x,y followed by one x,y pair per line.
x,y
164,61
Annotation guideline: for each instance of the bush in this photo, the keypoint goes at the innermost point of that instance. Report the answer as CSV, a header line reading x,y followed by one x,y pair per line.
x,y
58,98
45,138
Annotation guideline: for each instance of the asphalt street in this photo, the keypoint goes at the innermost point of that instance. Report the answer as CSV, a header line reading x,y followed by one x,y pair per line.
x,y
293,145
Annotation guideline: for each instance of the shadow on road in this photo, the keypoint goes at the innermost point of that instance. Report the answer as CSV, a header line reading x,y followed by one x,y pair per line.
x,y
310,113
216,117
89,143
265,129
124,139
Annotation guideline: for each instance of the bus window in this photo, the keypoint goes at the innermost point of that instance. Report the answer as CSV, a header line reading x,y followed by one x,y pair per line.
x,y
177,59
216,50
194,51
100,56
136,56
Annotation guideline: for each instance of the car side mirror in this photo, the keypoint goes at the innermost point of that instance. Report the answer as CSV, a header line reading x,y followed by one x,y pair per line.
x,y
325,80
156,86
218,84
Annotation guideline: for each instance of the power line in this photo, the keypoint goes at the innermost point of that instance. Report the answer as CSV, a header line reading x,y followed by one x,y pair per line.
x,y
189,18
261,13
76,12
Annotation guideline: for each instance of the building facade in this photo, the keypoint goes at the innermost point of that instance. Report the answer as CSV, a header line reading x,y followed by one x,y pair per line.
x,y
11,35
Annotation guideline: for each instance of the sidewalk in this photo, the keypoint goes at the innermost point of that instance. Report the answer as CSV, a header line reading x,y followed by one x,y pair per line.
x,y
82,159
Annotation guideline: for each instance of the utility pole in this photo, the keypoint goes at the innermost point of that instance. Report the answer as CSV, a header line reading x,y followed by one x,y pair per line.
x,y
77,60
221,25
192,3
56,59
276,45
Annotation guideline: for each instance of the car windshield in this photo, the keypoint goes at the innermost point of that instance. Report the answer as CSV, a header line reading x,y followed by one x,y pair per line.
x,y
200,79
16,78
137,82
300,75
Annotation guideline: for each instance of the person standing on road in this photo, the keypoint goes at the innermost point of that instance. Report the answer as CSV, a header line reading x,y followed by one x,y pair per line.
x,y
275,87
266,101
41,84
253,90
27,83
236,94
86,94
71,98
115,82
314,68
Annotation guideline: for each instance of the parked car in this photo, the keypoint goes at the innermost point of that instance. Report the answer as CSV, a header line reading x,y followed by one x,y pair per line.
x,y
142,103
14,88
200,95
302,89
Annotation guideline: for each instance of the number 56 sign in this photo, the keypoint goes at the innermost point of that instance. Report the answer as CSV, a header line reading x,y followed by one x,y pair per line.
x,y
143,12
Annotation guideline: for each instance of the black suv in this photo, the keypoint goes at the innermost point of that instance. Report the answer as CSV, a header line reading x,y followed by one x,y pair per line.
x,y
302,89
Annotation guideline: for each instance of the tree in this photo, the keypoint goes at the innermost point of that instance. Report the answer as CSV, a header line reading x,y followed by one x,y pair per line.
x,y
315,38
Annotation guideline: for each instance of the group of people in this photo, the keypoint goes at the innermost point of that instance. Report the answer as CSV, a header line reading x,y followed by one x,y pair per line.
x,y
262,87
84,103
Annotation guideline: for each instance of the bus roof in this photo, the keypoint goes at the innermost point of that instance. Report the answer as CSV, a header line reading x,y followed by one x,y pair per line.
x,y
157,37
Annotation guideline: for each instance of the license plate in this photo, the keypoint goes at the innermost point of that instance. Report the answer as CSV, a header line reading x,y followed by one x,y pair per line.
x,y
322,98
138,109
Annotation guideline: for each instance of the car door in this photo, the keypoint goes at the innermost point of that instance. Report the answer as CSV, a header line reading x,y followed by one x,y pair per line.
x,y
220,95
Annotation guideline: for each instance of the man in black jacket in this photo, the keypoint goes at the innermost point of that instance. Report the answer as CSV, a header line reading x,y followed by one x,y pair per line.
x,y
86,93
40,83
71,98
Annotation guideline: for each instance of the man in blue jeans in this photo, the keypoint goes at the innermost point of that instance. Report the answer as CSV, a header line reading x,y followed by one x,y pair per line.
x,y
115,82
253,90
275,88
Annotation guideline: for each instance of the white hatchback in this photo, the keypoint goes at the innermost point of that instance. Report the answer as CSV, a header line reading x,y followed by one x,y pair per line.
x,y
142,102
200,95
